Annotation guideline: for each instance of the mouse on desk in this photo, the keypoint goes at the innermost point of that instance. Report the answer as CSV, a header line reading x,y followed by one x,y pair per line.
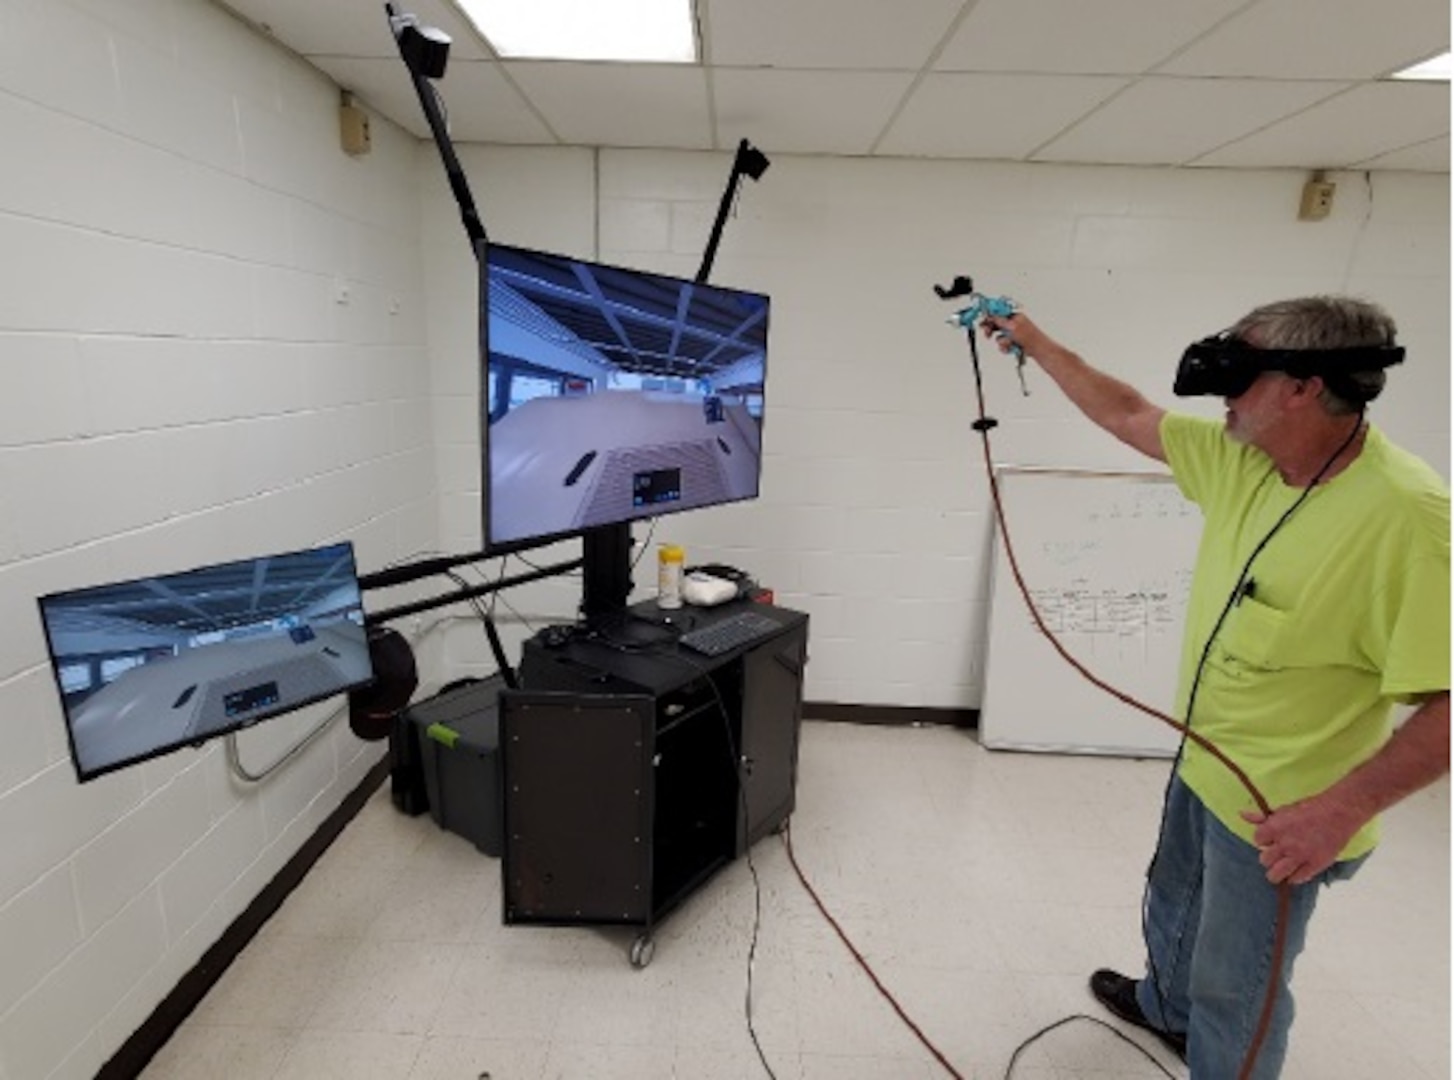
x,y
553,637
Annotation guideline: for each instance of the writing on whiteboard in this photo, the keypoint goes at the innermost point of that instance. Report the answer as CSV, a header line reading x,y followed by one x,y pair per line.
x,y
1082,606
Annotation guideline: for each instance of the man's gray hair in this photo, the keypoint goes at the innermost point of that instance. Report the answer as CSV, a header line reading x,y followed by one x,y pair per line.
x,y
1324,322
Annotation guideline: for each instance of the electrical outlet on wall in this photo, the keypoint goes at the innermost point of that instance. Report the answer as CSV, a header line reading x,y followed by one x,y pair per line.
x,y
353,127
1317,201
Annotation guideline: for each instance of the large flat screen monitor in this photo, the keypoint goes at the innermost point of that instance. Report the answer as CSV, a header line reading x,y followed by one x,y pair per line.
x,y
611,394
146,666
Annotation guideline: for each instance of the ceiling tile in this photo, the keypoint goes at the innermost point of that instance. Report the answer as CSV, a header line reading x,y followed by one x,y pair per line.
x,y
354,27
1078,38
824,112
479,103
1353,127
967,79
660,105
1320,39
964,115
1432,156
880,35
1163,121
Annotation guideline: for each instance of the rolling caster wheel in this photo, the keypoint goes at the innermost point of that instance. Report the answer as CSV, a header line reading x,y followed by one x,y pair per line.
x,y
642,950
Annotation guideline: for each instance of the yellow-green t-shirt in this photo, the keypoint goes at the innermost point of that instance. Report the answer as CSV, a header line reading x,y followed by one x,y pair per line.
x,y
1348,612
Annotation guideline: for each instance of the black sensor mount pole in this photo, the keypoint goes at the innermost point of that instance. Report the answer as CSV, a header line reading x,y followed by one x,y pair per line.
x,y
425,52
748,161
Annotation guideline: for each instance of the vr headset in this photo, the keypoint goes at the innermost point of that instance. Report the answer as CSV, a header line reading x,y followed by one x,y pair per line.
x,y
1224,366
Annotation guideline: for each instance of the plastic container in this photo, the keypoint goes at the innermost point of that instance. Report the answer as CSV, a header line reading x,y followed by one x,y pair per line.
x,y
670,560
459,749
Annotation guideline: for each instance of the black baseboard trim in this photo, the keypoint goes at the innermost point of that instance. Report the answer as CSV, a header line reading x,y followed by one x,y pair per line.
x,y
890,714
129,1061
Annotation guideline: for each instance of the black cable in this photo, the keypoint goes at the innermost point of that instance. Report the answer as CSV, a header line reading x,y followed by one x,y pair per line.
x,y
668,636
487,624
572,573
499,595
812,893
737,769
635,561
513,610
650,532
427,553
1117,1032
376,617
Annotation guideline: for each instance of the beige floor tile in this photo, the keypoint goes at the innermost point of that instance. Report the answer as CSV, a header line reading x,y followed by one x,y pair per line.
x,y
982,887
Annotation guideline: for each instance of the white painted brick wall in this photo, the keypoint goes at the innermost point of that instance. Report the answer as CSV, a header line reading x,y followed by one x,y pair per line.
x,y
181,386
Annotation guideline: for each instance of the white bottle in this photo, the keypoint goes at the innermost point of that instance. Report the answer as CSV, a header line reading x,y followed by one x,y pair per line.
x,y
670,560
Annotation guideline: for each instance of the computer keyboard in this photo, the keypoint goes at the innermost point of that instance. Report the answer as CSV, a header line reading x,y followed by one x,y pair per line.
x,y
730,633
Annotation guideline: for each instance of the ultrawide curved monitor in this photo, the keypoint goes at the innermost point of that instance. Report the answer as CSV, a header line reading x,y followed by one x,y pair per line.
x,y
147,666
610,395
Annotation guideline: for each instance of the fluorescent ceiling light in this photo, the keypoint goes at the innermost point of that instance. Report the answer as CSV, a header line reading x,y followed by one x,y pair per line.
x,y
1436,68
627,30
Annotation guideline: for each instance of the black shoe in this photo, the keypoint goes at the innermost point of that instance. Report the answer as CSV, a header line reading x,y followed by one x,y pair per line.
x,y
1118,994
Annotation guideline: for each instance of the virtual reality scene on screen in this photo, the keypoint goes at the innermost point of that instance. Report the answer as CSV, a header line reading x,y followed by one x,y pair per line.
x,y
150,665
613,394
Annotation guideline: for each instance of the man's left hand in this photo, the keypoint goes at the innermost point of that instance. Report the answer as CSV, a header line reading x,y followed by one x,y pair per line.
x,y
1299,841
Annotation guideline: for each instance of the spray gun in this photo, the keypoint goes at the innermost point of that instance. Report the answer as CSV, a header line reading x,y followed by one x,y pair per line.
x,y
980,306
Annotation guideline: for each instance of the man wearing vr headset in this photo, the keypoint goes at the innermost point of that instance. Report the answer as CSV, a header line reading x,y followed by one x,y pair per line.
x,y
1320,598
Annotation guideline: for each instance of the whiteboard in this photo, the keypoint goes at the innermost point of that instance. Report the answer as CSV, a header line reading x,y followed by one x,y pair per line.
x,y
1107,559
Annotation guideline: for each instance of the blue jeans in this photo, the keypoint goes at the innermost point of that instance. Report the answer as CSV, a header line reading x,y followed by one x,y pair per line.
x,y
1211,915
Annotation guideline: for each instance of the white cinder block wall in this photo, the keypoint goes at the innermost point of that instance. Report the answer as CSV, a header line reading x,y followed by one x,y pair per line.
x,y
179,385
874,514
182,385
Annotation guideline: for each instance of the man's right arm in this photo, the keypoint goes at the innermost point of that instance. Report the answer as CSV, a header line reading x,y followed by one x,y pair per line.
x,y
1106,401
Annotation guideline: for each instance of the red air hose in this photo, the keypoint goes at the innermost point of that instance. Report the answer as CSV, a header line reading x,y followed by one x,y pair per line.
x,y
1284,889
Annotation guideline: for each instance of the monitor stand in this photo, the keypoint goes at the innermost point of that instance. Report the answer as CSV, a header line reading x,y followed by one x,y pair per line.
x,y
606,570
